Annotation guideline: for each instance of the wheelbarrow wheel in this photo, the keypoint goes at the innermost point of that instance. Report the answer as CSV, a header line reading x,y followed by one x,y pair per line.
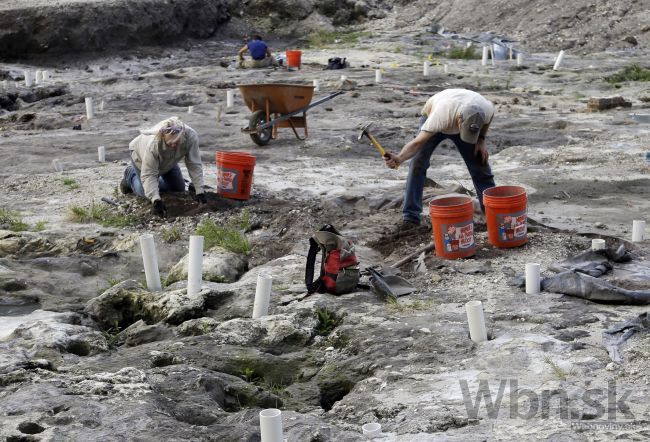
x,y
262,137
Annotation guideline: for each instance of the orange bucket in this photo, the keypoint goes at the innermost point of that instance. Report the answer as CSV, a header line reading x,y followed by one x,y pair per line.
x,y
506,215
235,174
293,59
452,219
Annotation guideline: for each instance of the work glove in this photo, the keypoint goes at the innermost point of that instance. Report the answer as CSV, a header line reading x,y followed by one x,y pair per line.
x,y
201,198
159,209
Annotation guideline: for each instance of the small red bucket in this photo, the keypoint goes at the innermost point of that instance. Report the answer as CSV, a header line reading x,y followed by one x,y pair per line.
x,y
452,219
506,215
235,174
293,59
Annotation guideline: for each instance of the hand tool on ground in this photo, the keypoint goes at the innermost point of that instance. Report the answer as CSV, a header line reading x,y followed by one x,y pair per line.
x,y
365,131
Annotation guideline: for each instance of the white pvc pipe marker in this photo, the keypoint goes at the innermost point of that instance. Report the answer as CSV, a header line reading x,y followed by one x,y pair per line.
x,y
38,78
371,430
230,98
271,425
316,86
90,110
638,230
262,295
477,332
598,244
195,266
150,261
378,76
558,61
28,78
484,58
101,154
425,68
532,278
520,59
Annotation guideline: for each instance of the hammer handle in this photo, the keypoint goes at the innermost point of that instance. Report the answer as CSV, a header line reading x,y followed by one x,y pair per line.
x,y
376,144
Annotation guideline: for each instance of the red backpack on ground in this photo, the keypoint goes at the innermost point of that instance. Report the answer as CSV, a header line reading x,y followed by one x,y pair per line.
x,y
339,265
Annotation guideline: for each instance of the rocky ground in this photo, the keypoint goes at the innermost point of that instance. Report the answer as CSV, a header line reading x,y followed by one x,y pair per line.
x,y
87,353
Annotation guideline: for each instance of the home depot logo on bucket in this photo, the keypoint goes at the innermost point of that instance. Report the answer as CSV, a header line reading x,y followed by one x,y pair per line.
x,y
458,237
227,180
512,227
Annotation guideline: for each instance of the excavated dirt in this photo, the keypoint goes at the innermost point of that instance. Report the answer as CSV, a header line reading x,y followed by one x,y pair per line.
x,y
330,363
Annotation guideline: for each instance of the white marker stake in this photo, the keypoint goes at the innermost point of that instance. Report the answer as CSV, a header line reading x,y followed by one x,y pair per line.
x,y
484,58
520,59
190,109
371,430
271,425
28,79
46,76
378,76
492,54
425,69
150,261
101,106
90,110
532,278
262,295
445,68
230,98
343,78
558,61
638,230
195,266
316,86
101,154
598,244
57,165
476,321
38,78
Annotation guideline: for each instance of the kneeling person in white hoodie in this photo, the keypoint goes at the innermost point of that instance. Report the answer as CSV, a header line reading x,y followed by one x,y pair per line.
x,y
155,154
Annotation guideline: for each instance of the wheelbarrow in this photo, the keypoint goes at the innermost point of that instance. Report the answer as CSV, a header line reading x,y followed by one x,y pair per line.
x,y
278,105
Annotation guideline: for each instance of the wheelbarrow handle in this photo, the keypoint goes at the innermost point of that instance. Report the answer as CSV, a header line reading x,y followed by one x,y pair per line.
x,y
284,117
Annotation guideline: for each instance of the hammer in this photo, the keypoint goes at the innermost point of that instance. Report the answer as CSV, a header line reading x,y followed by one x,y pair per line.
x,y
366,132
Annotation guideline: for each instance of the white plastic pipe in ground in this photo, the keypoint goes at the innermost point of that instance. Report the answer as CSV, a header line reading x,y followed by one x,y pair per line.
x,y
520,59
28,78
532,278
484,58
57,165
343,77
598,244
101,154
371,430
378,76
262,295
90,109
190,109
425,68
101,106
271,425
46,76
316,85
476,321
638,230
150,261
38,77
492,57
558,61
230,98
195,265
445,68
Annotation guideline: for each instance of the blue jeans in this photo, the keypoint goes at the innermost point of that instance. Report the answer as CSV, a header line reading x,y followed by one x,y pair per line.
x,y
172,181
481,173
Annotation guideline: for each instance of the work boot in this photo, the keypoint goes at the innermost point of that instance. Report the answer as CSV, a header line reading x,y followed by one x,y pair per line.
x,y
408,225
125,186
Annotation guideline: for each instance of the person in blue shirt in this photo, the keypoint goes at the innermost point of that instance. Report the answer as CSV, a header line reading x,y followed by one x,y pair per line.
x,y
260,54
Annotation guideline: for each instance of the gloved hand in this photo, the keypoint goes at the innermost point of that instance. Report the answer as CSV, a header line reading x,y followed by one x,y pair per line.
x,y
201,198
159,209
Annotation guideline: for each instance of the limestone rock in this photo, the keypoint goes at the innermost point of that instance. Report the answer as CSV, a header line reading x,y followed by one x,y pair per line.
x,y
141,333
219,265
120,306
197,327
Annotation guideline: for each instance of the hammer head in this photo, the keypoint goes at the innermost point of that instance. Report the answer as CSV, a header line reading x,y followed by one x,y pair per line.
x,y
363,130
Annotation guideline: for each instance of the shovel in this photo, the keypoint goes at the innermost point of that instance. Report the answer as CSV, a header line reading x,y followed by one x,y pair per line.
x,y
389,286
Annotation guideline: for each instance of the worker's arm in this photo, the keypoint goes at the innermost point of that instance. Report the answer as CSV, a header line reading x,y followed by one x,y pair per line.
x,y
408,151
193,161
149,175
480,149
242,51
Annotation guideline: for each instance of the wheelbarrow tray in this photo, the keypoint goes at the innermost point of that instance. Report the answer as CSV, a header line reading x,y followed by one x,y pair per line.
x,y
281,98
